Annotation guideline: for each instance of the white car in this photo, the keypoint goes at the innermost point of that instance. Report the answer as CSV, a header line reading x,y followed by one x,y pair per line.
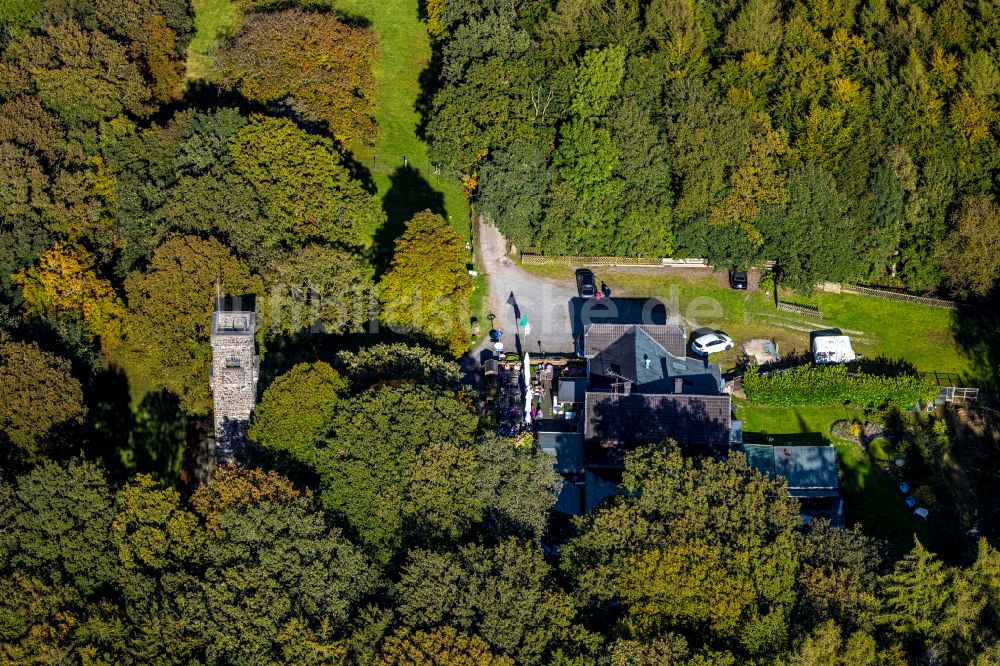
x,y
711,343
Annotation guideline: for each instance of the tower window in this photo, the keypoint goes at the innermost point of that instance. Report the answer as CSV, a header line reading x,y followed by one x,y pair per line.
x,y
232,362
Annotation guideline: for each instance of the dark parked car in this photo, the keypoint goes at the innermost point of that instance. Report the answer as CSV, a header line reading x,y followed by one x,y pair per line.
x,y
738,279
585,283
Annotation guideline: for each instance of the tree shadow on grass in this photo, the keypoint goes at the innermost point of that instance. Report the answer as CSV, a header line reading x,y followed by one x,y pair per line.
x,y
430,83
409,193
976,332
159,437
111,421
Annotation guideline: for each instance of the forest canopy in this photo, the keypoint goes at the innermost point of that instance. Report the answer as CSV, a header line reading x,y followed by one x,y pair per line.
x,y
377,516
846,140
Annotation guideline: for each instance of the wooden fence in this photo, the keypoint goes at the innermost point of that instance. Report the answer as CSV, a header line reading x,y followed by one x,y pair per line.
x,y
640,262
804,310
643,262
534,259
897,296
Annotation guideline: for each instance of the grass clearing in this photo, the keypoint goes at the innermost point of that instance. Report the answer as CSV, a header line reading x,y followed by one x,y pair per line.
x,y
398,159
930,338
214,21
870,497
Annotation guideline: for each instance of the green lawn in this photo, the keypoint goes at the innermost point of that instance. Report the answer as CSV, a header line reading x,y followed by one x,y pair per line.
x,y
214,21
406,53
398,160
870,497
933,339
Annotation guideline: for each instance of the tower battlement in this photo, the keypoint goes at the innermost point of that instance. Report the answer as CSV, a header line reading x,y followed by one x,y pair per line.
x,y
235,368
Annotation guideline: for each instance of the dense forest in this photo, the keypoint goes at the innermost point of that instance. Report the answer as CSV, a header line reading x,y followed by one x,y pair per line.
x,y
846,139
378,518
381,522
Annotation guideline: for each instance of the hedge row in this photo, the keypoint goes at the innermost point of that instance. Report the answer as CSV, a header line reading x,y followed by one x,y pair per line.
x,y
833,385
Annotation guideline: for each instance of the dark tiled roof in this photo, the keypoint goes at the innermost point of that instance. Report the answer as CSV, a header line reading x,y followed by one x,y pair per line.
x,y
807,466
616,424
637,356
597,337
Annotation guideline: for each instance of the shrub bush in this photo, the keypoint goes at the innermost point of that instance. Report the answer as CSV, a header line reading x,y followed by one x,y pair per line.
x,y
834,385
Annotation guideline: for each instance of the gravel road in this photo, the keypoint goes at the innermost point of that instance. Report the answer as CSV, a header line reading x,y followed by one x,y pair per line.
x,y
515,292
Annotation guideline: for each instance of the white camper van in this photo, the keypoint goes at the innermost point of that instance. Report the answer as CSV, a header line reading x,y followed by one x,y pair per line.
x,y
832,349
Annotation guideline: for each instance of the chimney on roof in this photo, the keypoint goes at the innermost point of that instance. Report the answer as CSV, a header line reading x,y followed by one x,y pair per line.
x,y
646,361
678,385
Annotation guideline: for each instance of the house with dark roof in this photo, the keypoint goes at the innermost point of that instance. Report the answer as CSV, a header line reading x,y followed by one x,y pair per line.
x,y
810,472
640,388
651,358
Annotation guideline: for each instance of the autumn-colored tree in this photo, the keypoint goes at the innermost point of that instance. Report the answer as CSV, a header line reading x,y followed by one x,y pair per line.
x,y
428,287
313,62
39,398
443,646
169,316
65,284
165,69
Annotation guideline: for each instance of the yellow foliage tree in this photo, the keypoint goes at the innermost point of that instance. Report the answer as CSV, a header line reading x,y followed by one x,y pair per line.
x,y
65,285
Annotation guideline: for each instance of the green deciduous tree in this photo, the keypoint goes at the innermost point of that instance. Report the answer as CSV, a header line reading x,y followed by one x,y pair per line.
x,y
62,525
809,238
837,579
442,646
83,76
366,460
970,255
512,187
37,620
317,288
505,594
273,568
701,545
306,193
296,410
40,400
398,363
428,286
170,314
826,646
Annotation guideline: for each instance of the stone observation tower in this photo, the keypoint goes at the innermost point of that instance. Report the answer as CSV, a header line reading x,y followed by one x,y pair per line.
x,y
233,380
